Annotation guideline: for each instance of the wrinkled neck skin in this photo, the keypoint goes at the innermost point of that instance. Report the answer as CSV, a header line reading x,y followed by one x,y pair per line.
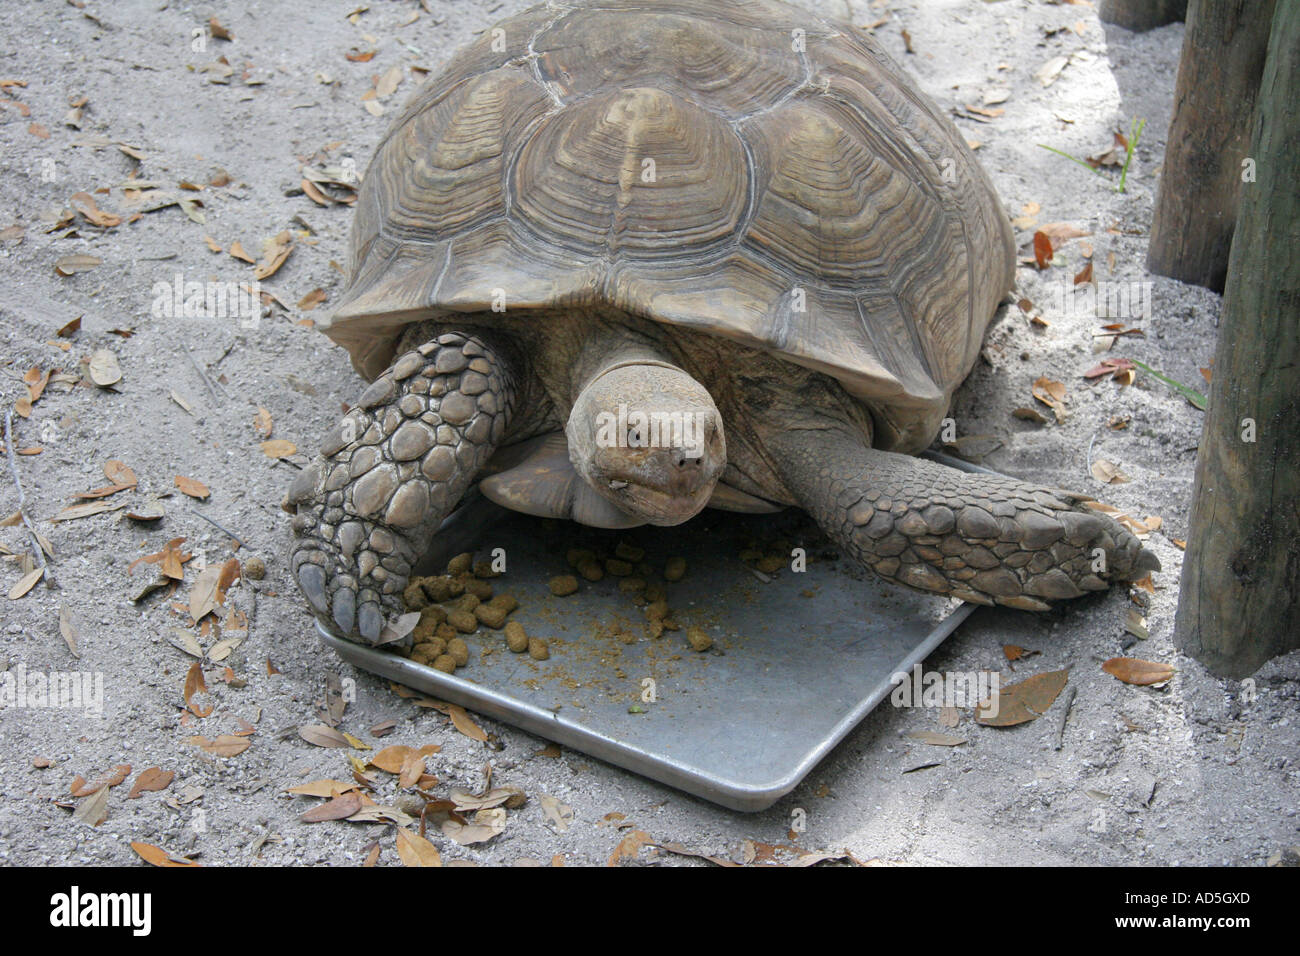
x,y
642,432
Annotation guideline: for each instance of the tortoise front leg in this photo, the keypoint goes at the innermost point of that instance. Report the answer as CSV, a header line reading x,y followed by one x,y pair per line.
x,y
389,474
981,538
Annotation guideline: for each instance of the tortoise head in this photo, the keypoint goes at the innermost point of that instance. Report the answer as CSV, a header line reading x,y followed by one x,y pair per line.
x,y
647,437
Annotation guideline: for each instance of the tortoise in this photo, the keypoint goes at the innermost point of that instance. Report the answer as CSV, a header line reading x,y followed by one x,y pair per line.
x,y
625,260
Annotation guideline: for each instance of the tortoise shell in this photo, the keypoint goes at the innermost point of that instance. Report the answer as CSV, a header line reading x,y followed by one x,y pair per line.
x,y
745,170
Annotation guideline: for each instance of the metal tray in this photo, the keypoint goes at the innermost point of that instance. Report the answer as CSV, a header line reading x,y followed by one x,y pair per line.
x,y
788,677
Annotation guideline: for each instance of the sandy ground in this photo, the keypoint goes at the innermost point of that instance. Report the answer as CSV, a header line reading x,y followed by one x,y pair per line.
x,y
1201,771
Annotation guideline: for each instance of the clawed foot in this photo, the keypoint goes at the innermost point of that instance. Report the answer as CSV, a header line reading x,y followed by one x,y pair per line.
x,y
353,574
395,466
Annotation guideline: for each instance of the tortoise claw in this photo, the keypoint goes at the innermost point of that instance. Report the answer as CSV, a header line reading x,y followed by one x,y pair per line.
x,y
345,602
370,621
311,579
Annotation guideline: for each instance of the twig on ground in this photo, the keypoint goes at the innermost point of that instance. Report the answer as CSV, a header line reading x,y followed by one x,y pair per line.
x,y
1065,716
22,499
238,538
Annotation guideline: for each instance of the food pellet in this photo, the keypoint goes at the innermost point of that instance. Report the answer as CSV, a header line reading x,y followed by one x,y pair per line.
x,y
657,611
429,651
563,585
629,552
675,569
654,592
460,564
698,639
445,663
491,615
620,569
516,639
445,631
506,602
430,618
576,556
628,585
483,569
414,597
479,589
591,570
458,650
463,621
254,568
537,649
442,588
466,602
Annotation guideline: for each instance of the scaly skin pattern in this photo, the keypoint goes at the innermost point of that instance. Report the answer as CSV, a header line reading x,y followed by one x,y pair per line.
x,y
396,465
981,538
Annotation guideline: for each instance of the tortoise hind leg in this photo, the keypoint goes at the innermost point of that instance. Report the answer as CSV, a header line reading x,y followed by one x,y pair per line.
x,y
398,463
982,538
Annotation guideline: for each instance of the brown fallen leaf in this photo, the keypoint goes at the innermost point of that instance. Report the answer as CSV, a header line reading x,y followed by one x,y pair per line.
x,y
157,856
321,788
103,368
1134,670
1042,249
151,780
322,736
1022,702
84,203
1107,472
94,809
71,265
274,253
1084,275
80,788
237,250
1051,394
26,583
192,487
1059,232
484,826
68,630
218,31
462,722
226,745
628,847
278,448
312,299
195,684
936,739
415,850
336,808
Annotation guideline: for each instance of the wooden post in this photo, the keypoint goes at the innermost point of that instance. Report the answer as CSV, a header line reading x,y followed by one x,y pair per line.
x,y
1214,101
1239,603
1142,15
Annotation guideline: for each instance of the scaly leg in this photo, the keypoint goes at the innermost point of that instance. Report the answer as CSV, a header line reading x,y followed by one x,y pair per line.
x,y
392,470
981,538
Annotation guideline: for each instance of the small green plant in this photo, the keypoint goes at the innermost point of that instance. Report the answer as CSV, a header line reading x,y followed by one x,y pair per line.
x,y
1191,394
1135,133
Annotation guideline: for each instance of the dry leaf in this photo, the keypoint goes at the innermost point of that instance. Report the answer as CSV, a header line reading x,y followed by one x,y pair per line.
x,y
1051,394
1133,670
1107,473
68,630
237,250
71,265
151,780
486,825
192,487
278,448
1022,702
937,739
462,722
628,847
262,422
415,850
274,252
337,808
94,810
322,736
1042,249
321,788
203,596
226,745
312,299
157,856
103,368
195,684
560,814
26,583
